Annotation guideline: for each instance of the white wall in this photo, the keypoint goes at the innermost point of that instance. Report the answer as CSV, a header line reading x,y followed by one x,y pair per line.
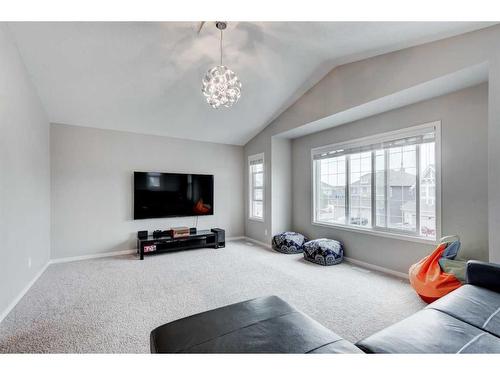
x,y
464,177
92,186
24,177
352,85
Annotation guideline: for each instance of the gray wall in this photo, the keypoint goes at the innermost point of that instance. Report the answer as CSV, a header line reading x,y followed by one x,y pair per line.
x,y
260,231
464,177
278,187
352,85
281,203
24,177
92,184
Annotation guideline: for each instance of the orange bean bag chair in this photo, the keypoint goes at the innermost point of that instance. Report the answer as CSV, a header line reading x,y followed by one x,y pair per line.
x,y
428,279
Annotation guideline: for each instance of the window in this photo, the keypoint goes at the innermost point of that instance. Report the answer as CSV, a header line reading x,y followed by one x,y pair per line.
x,y
385,183
256,190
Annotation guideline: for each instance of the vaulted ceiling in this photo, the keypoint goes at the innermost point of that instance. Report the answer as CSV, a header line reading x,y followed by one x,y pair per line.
x,y
145,77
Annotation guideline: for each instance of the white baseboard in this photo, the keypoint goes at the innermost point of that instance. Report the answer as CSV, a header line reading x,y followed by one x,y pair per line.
x,y
236,238
376,268
350,260
126,252
22,293
92,256
75,259
266,245
112,254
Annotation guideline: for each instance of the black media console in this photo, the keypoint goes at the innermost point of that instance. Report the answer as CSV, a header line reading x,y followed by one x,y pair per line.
x,y
204,238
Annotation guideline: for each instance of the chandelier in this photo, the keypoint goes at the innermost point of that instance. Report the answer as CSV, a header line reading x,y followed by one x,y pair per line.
x,y
220,85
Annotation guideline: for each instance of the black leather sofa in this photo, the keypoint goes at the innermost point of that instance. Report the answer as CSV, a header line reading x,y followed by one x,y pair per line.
x,y
464,321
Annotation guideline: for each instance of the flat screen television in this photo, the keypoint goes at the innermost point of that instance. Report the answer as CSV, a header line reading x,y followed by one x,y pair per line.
x,y
172,194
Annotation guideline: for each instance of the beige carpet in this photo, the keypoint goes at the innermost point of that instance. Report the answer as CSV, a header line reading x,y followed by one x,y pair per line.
x,y
111,304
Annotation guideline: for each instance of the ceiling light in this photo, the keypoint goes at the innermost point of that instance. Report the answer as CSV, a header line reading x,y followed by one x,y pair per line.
x,y
220,85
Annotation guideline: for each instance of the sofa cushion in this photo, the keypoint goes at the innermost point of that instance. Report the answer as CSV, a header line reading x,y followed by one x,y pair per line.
x,y
483,274
431,331
474,305
262,325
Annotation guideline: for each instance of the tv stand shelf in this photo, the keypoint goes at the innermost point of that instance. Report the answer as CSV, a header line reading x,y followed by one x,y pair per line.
x,y
201,239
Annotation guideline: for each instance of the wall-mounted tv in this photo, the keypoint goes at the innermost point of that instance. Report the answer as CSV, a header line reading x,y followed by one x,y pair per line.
x,y
172,194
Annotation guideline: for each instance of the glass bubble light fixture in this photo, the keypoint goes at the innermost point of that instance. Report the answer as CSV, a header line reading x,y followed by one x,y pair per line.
x,y
220,85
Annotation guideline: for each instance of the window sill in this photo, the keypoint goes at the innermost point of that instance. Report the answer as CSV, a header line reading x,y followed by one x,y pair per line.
x,y
256,219
372,232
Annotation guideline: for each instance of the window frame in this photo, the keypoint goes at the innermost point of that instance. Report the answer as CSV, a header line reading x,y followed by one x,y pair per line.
x,y
376,230
251,187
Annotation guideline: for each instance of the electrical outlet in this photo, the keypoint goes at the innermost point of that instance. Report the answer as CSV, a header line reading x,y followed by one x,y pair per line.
x,y
265,232
29,262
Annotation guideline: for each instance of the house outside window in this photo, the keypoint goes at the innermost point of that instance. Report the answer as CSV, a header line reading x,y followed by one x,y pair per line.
x,y
386,184
256,187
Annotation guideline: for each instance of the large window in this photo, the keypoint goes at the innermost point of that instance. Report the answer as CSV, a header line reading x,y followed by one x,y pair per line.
x,y
385,183
256,188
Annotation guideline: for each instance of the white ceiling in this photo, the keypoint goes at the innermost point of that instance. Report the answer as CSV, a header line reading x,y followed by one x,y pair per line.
x,y
145,77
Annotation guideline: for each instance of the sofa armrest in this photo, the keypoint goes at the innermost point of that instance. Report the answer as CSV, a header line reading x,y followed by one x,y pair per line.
x,y
483,274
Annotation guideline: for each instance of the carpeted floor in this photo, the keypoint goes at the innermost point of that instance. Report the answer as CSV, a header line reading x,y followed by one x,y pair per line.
x,y
111,304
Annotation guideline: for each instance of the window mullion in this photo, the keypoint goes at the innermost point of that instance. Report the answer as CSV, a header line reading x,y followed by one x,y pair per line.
x,y
317,187
417,190
386,187
394,200
251,191
347,188
254,166
373,193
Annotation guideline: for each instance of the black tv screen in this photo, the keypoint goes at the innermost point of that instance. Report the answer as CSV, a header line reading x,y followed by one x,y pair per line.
x,y
172,194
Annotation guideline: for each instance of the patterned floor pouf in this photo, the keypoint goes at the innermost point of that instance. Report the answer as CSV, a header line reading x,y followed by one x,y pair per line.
x,y
289,242
324,251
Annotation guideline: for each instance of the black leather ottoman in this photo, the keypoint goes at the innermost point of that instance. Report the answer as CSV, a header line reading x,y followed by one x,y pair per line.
x,y
262,325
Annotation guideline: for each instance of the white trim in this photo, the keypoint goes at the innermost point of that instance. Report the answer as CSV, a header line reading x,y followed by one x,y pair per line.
x,y
92,256
379,233
377,138
255,219
266,245
251,158
237,238
113,254
16,300
439,233
349,260
373,231
13,304
376,268
259,156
